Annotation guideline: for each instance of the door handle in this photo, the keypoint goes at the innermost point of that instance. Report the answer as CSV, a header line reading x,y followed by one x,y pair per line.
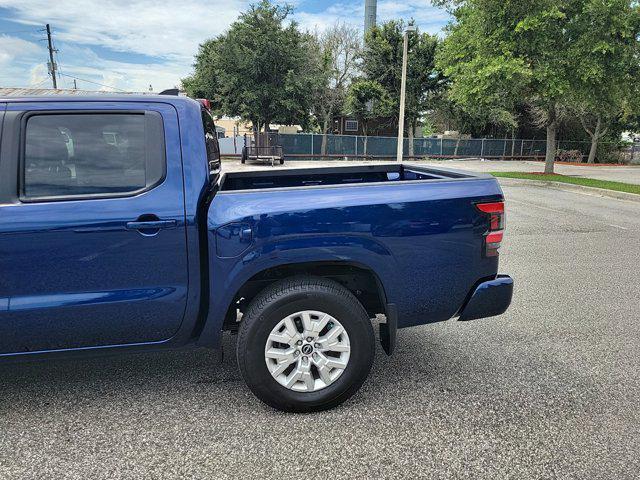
x,y
152,225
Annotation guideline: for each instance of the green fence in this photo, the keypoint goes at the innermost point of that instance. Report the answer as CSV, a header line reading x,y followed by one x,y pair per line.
x,y
310,145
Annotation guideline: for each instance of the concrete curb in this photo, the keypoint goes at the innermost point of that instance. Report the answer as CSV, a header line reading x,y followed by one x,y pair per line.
x,y
568,187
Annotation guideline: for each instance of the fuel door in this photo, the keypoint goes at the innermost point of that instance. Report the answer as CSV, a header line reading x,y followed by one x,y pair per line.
x,y
233,239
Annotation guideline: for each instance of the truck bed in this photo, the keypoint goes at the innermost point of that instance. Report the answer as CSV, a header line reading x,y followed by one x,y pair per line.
x,y
331,176
417,228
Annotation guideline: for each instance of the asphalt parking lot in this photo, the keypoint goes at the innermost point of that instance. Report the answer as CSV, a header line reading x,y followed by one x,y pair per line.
x,y
551,389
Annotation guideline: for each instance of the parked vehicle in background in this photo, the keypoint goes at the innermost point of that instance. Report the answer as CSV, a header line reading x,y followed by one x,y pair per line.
x,y
133,239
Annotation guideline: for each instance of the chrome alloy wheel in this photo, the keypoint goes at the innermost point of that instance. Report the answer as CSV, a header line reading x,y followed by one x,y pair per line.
x,y
307,351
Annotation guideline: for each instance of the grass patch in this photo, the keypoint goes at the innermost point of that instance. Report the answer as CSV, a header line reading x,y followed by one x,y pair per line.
x,y
587,182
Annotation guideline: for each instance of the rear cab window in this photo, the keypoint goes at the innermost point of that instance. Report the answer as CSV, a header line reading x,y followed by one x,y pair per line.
x,y
86,155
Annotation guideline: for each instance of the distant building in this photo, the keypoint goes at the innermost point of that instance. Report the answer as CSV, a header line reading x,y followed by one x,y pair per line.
x,y
237,126
233,125
348,125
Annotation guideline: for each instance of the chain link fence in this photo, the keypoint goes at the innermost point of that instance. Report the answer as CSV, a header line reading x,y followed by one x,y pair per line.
x,y
308,146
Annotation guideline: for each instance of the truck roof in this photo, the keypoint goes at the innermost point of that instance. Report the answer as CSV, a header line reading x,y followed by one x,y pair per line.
x,y
172,99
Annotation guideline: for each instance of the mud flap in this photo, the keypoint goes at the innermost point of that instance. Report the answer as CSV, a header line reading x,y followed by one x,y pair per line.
x,y
388,330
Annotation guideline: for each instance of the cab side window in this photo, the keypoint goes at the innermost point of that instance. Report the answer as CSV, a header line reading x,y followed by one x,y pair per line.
x,y
85,155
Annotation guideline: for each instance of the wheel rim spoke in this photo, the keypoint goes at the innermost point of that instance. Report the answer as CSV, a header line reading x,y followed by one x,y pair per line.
x,y
313,326
325,373
291,328
281,354
307,361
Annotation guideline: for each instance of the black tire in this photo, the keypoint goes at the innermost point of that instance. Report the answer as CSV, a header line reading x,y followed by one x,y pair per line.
x,y
285,298
282,161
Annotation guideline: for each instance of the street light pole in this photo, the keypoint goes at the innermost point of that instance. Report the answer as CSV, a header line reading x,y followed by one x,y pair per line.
x,y
403,92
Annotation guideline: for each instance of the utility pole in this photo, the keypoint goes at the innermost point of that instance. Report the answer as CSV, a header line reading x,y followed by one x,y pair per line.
x,y
403,92
75,85
52,64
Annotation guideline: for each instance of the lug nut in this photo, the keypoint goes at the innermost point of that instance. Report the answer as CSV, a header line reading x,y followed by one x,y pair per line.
x,y
309,339
317,345
299,342
296,353
315,356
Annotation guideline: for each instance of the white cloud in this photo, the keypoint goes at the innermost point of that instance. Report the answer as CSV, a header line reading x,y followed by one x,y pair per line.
x,y
84,63
349,13
17,59
14,47
38,74
163,29
428,18
167,33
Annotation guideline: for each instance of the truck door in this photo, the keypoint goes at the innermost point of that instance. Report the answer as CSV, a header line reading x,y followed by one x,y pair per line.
x,y
92,226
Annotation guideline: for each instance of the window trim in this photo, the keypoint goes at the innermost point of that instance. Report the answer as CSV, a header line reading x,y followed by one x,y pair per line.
x,y
212,171
148,114
347,121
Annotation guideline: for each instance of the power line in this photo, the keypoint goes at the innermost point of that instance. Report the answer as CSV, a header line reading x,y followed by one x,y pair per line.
x,y
39,83
55,67
89,81
57,56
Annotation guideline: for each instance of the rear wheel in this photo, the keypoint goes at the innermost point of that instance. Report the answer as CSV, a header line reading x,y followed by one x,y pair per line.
x,y
305,344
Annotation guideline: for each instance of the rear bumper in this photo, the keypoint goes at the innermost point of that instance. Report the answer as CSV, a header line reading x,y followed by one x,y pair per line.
x,y
489,299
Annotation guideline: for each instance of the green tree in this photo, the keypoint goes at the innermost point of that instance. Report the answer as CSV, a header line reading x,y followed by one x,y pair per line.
x,y
205,81
259,69
498,52
382,63
604,60
367,100
559,55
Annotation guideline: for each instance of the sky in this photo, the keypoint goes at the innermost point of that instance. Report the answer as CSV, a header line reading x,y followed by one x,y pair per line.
x,y
138,45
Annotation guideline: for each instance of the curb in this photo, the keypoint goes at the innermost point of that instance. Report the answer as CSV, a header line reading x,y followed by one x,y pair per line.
x,y
568,187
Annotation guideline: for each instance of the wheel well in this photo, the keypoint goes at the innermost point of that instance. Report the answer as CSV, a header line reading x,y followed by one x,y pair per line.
x,y
362,282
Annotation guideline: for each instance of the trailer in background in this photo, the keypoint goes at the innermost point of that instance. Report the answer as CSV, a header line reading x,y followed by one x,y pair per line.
x,y
263,147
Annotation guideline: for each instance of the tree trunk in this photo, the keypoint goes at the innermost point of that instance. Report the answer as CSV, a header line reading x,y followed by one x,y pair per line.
x,y
265,139
256,133
595,137
323,148
412,130
552,126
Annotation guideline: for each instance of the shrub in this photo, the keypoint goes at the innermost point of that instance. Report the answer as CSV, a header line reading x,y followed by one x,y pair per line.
x,y
569,156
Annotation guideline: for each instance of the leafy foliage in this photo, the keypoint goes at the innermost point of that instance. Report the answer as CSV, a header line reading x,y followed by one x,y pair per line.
x,y
368,100
382,63
259,70
605,61
553,53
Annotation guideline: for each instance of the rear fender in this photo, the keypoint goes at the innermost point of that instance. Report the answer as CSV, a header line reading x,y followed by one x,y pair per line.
x,y
357,251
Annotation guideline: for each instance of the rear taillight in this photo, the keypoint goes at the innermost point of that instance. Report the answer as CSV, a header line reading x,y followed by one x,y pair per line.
x,y
493,236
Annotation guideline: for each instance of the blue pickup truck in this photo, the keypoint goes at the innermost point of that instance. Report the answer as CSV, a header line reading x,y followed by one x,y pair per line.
x,y
118,231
